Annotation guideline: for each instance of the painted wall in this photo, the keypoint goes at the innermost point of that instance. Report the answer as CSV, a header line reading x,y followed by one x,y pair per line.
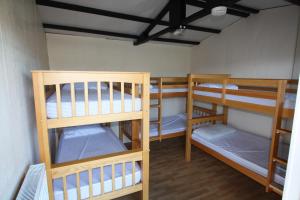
x,y
87,53
262,45
22,48
296,69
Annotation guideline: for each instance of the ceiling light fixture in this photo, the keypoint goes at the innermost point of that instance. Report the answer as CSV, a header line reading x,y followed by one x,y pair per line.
x,y
179,31
219,11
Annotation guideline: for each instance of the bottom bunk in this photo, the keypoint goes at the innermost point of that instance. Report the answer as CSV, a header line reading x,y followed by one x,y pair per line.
x,y
83,142
244,151
171,126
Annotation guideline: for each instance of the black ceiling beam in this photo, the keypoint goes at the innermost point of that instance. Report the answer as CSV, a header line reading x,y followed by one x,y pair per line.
x,y
296,2
96,11
155,35
161,14
114,34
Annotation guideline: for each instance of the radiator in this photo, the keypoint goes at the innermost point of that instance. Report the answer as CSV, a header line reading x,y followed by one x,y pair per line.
x,y
34,186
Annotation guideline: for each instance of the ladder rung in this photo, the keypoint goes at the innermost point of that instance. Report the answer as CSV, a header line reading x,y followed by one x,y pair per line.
x,y
155,122
283,131
155,106
276,189
280,161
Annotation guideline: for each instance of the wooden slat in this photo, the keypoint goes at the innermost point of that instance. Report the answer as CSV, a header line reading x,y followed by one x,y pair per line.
x,y
65,189
111,97
58,101
99,97
122,97
207,99
174,86
133,97
251,93
93,119
102,179
254,82
119,193
61,77
206,119
78,186
113,177
280,161
123,174
276,189
86,98
283,131
73,100
67,168
268,110
90,183
133,172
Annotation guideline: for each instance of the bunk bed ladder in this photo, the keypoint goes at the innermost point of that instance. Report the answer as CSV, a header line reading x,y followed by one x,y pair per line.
x,y
277,131
158,106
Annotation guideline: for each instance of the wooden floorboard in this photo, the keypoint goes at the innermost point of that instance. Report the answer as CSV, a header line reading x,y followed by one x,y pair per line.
x,y
203,178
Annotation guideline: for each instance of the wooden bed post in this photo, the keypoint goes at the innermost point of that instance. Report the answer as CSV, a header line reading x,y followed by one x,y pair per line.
x,y
42,130
189,117
121,130
214,109
135,134
282,84
145,136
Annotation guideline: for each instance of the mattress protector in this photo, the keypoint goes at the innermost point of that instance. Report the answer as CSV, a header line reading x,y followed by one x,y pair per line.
x,y
247,149
66,105
91,145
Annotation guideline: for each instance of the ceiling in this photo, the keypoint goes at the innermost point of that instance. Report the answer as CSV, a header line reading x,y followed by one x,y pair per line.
x,y
100,18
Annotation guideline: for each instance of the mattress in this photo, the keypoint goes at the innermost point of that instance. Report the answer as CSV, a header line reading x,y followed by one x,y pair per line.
x,y
90,145
66,105
247,149
155,89
170,124
289,103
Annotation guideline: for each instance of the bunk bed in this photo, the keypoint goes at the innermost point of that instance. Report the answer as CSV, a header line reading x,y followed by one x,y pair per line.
x,y
261,159
169,126
78,103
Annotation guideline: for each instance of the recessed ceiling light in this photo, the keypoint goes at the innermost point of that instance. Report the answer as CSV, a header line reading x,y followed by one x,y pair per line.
x,y
219,11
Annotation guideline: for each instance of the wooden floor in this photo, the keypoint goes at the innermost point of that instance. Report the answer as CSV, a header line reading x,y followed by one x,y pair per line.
x,y
171,178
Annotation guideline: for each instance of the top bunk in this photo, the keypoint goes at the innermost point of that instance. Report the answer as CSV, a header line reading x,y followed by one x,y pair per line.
x,y
258,95
168,87
73,98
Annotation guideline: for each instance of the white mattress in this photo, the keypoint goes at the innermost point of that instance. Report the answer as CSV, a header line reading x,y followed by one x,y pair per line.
x,y
170,124
155,89
247,149
74,148
66,105
289,103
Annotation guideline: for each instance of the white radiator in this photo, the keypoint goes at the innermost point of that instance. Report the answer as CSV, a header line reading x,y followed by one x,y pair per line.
x,y
34,186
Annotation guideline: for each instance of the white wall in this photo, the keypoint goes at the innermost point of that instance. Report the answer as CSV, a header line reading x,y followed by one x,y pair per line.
x,y
262,45
22,48
296,69
87,53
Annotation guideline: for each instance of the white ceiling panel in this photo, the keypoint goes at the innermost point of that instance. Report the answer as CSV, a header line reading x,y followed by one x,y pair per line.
x,y
216,22
144,8
84,20
263,4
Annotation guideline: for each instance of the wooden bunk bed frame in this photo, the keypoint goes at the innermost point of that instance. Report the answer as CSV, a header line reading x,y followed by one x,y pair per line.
x,y
42,79
165,83
259,88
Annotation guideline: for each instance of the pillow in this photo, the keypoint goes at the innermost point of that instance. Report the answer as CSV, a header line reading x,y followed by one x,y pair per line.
x,y
219,85
214,131
80,131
